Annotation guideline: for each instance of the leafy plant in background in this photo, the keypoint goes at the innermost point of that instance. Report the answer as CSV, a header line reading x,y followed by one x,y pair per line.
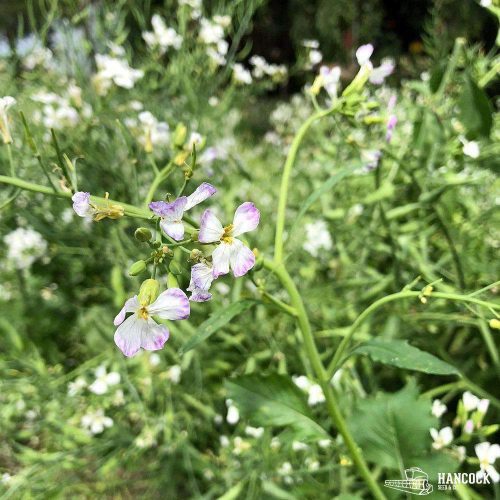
x,y
397,164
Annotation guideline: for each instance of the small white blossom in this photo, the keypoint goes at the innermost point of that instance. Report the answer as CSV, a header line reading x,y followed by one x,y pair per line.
x,y
438,408
299,446
96,422
104,380
76,386
162,37
241,74
471,149
255,432
482,406
24,247
442,437
487,454
174,374
470,401
317,238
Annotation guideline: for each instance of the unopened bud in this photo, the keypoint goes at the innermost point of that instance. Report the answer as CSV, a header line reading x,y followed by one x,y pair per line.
x,y
495,323
137,268
172,281
195,255
180,134
143,234
150,289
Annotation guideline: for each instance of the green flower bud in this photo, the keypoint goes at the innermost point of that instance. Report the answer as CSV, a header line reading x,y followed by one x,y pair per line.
x,y
180,135
175,268
172,281
150,289
356,86
195,255
137,268
143,234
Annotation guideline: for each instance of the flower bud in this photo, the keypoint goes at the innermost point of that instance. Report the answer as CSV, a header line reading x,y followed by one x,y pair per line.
x,y
172,281
180,134
195,255
175,268
143,234
137,268
495,323
356,86
150,289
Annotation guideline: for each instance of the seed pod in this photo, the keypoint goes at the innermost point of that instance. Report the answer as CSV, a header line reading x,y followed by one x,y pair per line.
x,y
137,268
143,234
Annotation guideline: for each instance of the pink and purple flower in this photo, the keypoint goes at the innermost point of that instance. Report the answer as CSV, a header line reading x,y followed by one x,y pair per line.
x,y
202,276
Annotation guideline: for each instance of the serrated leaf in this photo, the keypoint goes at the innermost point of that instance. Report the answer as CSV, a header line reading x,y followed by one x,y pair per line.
x,y
215,322
399,353
274,400
475,110
393,432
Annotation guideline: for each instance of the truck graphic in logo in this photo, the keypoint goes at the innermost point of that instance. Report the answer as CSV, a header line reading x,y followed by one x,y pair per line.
x,y
416,482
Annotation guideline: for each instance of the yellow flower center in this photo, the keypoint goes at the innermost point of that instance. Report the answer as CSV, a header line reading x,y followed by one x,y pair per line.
x,y
143,313
226,237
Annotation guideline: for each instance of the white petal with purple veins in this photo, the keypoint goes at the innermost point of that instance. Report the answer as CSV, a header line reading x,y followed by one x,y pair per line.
x,y
200,296
131,305
129,334
171,304
242,258
154,337
246,218
220,258
201,193
201,277
211,229
174,229
81,204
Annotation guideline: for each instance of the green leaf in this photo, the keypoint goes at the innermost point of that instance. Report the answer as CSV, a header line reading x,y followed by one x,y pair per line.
x,y
393,432
274,400
399,353
215,322
475,110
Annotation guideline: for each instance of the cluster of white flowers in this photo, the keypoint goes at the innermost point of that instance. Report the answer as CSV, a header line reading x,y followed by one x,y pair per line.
x,y
61,112
103,380
32,53
241,75
162,37
24,246
213,36
262,68
150,132
314,55
318,238
114,69
96,422
194,5
314,392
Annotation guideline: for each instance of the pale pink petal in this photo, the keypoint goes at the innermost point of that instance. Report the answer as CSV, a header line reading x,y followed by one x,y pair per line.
x,y
201,193
378,75
211,229
220,258
169,211
128,335
242,258
201,277
131,305
154,337
171,304
81,204
173,229
364,53
246,218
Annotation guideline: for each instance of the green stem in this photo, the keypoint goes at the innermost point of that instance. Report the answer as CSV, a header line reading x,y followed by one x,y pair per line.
x,y
313,355
390,298
285,181
160,177
130,210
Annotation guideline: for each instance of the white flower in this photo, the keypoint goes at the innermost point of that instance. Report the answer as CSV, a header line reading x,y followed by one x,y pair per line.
x,y
95,421
6,478
76,386
240,445
330,79
311,464
317,238
438,408
314,391
103,380
255,432
233,415
471,149
25,246
114,70
324,443
154,359
210,32
224,441
482,406
441,438
486,3
470,401
315,57
150,132
488,454
162,37
469,427
174,374
241,74
5,103
299,446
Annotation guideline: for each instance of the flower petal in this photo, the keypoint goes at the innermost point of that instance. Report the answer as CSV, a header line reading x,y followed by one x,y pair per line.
x,y
364,53
173,229
81,204
246,218
171,304
201,277
128,335
220,258
211,229
131,305
200,296
155,336
379,74
201,193
242,258
169,211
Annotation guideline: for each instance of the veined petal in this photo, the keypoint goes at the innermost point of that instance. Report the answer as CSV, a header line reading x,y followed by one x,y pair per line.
x,y
220,258
242,258
201,277
246,218
200,296
171,304
201,193
211,229
131,305
174,229
154,336
128,335
169,211
81,204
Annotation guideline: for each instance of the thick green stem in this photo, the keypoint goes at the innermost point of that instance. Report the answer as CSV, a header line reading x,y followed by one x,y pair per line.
x,y
285,181
160,177
331,400
130,210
